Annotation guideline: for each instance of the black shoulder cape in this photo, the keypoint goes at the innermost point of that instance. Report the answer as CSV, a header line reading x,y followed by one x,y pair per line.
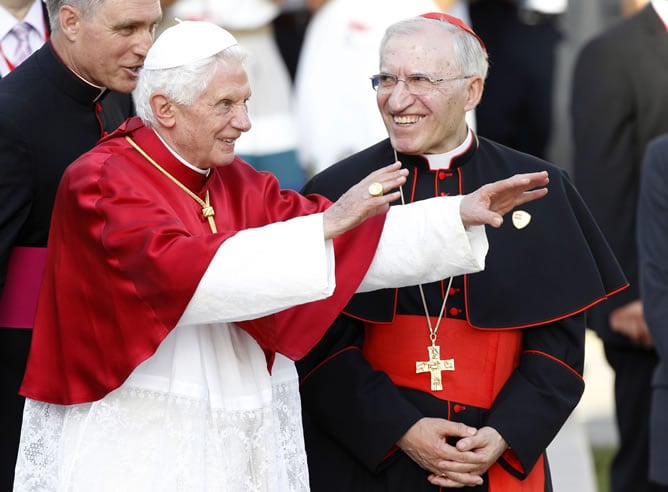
x,y
558,265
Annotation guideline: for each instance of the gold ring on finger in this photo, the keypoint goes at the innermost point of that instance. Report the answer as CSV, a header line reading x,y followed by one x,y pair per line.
x,y
376,189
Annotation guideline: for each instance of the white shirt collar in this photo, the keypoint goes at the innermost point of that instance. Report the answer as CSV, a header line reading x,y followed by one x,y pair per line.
x,y
444,161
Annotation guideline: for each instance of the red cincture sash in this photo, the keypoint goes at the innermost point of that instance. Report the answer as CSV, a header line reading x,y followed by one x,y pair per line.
x,y
502,481
484,359
18,301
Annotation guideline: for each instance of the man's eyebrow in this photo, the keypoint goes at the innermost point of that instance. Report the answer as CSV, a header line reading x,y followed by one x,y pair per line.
x,y
126,24
136,23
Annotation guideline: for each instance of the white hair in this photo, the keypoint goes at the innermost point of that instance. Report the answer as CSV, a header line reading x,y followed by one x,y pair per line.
x,y
181,84
469,56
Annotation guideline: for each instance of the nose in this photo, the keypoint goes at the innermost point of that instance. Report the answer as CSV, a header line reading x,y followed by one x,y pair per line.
x,y
144,42
400,97
241,120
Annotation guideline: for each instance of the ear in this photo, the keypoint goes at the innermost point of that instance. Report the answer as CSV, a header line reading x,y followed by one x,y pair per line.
x,y
163,110
474,89
70,21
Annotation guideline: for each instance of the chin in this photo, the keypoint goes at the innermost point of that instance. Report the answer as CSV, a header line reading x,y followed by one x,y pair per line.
x,y
406,148
225,160
125,87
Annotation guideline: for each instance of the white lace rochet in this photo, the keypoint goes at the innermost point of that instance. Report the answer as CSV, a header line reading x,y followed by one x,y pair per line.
x,y
154,440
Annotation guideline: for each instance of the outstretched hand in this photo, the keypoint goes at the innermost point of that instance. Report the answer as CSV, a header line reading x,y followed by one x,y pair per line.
x,y
489,203
357,204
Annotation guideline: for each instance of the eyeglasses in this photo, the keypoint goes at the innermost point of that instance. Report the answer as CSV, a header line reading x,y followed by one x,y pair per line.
x,y
417,84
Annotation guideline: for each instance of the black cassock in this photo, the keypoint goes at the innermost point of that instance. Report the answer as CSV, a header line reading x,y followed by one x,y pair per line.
x,y
514,332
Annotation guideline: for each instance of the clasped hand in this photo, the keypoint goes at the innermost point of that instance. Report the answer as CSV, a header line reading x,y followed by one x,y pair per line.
x,y
461,465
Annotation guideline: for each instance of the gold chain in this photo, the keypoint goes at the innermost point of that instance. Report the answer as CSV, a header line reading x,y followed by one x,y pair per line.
x,y
207,209
433,331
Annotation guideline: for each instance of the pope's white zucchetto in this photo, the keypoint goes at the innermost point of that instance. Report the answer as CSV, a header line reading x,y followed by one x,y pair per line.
x,y
187,42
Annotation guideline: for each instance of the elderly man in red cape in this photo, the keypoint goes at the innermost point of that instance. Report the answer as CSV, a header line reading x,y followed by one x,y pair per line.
x,y
180,282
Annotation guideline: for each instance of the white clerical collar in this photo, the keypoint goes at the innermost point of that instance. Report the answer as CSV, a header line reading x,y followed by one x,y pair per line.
x,y
205,172
102,90
444,161
661,8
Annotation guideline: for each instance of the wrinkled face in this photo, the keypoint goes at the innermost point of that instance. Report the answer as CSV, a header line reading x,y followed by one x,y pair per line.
x,y
109,47
205,132
434,121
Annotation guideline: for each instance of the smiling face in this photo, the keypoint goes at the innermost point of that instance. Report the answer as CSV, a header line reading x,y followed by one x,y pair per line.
x,y
204,132
108,47
434,122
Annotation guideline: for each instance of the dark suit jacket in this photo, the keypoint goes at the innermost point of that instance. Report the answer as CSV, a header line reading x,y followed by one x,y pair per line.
x,y
48,117
653,262
619,103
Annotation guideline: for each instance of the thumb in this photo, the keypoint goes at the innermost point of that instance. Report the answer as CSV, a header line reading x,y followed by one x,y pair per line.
x,y
492,218
457,429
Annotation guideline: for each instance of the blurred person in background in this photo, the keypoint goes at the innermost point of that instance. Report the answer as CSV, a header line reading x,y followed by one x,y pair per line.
x,y
618,104
652,236
24,27
523,36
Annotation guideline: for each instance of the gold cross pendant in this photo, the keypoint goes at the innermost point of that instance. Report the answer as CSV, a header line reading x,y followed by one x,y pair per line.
x,y
434,366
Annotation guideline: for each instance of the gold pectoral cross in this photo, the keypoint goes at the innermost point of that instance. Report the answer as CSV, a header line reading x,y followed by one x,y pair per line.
x,y
435,366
